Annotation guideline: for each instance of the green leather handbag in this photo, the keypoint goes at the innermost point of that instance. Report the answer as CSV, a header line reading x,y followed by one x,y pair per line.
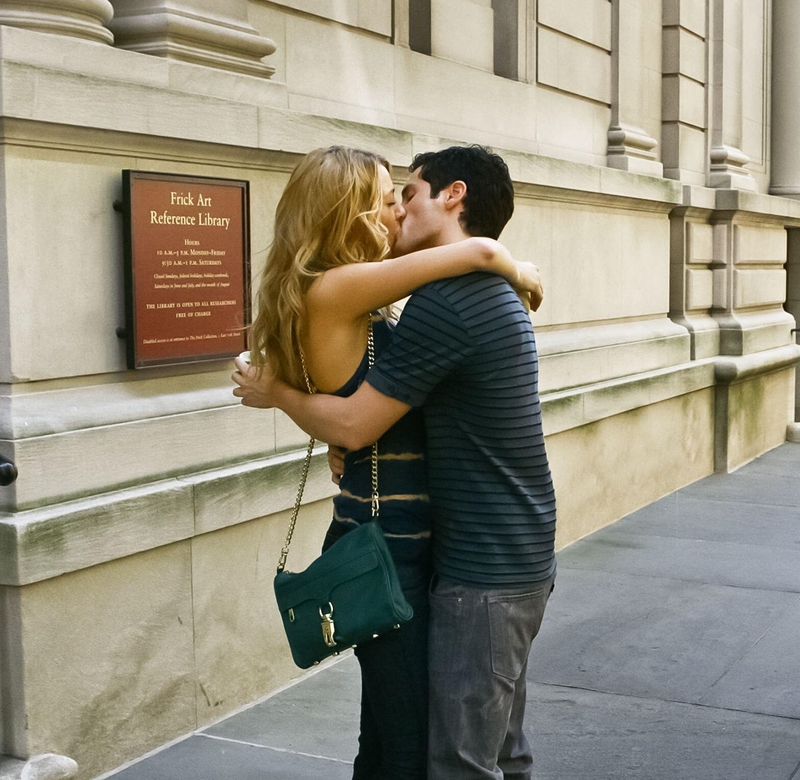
x,y
347,596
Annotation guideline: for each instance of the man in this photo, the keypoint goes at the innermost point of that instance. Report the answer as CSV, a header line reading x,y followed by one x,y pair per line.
x,y
464,350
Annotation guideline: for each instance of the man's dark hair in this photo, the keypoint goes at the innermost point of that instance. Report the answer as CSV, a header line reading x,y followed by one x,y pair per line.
x,y
489,202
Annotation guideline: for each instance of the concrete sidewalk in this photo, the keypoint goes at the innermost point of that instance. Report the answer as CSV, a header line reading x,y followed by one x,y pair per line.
x,y
670,651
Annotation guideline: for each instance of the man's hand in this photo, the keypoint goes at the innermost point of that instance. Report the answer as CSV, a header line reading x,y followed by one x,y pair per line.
x,y
336,462
254,387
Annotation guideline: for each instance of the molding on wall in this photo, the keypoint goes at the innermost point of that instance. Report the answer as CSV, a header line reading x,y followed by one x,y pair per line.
x,y
43,543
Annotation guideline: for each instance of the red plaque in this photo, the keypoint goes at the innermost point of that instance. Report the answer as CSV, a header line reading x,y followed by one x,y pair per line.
x,y
187,267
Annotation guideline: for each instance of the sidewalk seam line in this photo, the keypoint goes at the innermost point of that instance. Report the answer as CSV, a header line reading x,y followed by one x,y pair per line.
x,y
678,579
735,663
276,749
667,701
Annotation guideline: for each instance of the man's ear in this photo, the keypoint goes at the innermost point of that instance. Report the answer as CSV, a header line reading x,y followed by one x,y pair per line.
x,y
456,192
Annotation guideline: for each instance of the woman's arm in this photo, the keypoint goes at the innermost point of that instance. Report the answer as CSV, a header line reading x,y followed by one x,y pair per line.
x,y
358,288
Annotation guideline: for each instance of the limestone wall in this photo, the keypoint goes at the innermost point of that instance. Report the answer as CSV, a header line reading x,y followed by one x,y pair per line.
x,y
644,138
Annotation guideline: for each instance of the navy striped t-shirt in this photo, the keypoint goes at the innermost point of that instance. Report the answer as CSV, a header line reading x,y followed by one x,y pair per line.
x,y
464,350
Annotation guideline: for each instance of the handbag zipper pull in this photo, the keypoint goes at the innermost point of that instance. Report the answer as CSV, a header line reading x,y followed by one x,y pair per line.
x,y
328,626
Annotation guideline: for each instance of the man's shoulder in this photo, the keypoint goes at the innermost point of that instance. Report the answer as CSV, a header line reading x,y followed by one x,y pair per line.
x,y
452,286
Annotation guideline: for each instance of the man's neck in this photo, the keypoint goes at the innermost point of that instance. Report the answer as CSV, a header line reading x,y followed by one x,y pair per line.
x,y
451,235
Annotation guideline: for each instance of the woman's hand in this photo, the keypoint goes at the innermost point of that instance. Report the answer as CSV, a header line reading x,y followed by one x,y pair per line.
x,y
529,284
523,276
256,388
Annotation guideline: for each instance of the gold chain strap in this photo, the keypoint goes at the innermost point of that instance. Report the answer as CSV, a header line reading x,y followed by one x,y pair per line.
x,y
376,504
304,476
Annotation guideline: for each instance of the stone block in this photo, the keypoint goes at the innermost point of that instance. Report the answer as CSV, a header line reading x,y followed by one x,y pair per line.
x,y
750,332
628,469
88,101
759,244
684,153
684,100
574,67
44,543
700,238
462,31
685,53
81,301
753,416
428,99
573,407
634,244
376,17
692,103
671,51
349,69
110,650
372,15
310,106
693,16
753,101
589,22
699,288
694,56
753,137
645,264
757,288
98,459
230,496
570,128
241,652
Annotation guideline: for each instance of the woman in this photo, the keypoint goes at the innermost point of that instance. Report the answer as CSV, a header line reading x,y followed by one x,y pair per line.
x,y
337,217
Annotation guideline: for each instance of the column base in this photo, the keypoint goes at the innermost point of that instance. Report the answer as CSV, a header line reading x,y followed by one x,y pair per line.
x,y
632,149
76,19
168,30
728,171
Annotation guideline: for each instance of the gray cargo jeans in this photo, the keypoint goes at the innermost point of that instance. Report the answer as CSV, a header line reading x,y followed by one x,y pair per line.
x,y
478,656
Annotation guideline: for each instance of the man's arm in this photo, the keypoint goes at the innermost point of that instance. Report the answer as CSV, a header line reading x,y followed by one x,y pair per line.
x,y
352,422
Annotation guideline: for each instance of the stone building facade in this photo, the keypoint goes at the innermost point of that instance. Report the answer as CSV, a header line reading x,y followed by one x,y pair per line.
x,y
657,171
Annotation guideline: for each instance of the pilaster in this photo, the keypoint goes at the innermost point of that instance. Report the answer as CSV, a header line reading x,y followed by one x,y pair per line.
x,y
691,275
727,162
463,31
684,91
785,163
636,86
75,18
205,32
749,274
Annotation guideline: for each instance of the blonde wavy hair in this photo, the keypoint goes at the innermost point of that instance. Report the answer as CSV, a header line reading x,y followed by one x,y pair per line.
x,y
328,215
